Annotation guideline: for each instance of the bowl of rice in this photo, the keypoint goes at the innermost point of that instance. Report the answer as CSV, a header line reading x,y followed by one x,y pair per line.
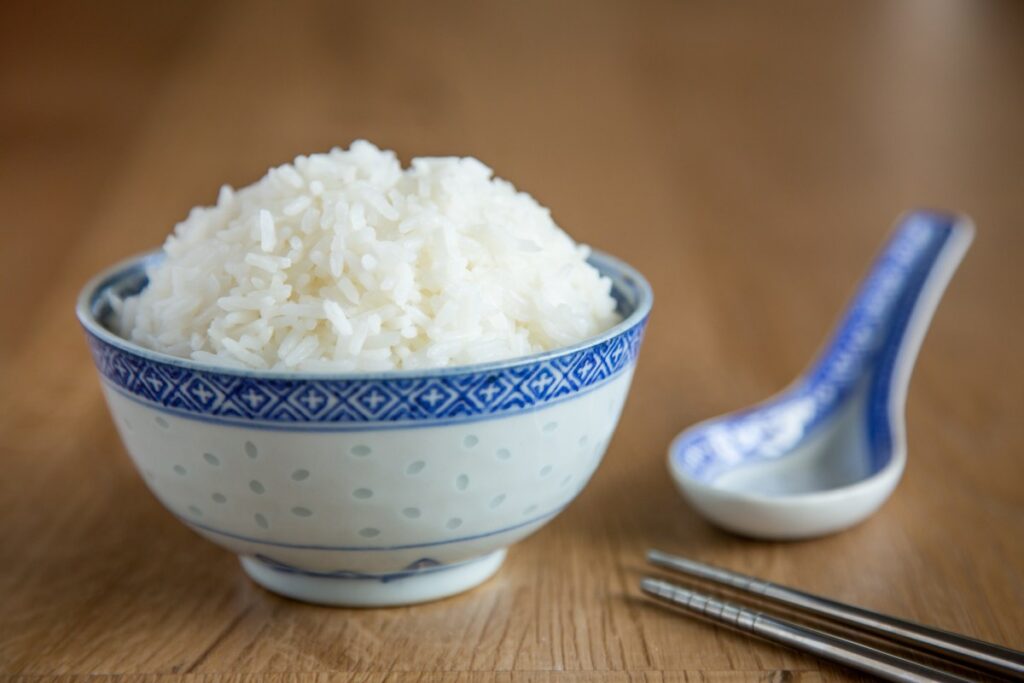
x,y
365,380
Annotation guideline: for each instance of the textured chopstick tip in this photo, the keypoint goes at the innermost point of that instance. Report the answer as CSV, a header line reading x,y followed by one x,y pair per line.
x,y
668,592
655,587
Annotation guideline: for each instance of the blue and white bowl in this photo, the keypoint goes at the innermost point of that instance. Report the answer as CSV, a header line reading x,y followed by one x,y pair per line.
x,y
367,489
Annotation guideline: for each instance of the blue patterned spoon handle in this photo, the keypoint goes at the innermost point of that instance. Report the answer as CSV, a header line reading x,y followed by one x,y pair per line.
x,y
885,322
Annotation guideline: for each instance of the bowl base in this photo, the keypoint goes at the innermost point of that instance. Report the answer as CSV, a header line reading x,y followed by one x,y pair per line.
x,y
404,588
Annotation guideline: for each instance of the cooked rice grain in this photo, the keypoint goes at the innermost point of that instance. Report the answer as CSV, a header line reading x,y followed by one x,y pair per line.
x,y
346,262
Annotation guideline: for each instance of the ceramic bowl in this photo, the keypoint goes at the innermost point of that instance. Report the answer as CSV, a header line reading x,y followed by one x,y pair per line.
x,y
367,489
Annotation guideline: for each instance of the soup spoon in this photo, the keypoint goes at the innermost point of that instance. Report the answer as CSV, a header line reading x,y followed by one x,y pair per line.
x,y
828,451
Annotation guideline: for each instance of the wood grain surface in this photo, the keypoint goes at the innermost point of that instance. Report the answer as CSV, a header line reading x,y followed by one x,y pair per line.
x,y
748,157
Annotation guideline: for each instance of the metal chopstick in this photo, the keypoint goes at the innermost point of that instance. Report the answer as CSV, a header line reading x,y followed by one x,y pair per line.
x,y
952,646
882,664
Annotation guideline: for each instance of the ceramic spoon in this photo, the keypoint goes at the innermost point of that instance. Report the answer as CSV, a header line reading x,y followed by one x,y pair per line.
x,y
827,452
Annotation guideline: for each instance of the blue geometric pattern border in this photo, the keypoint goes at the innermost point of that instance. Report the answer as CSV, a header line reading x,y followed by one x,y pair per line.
x,y
381,400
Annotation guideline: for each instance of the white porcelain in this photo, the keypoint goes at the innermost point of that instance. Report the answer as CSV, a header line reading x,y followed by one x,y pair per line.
x,y
367,490
829,450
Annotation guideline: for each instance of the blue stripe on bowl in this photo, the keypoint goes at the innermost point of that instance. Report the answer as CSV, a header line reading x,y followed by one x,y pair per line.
x,y
373,548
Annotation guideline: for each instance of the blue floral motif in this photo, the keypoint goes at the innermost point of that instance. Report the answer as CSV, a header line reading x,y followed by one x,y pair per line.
x,y
422,566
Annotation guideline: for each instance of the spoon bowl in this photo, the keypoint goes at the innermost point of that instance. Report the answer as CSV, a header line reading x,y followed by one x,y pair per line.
x,y
826,452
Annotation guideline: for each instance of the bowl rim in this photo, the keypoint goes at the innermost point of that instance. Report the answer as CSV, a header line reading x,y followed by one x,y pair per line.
x,y
105,278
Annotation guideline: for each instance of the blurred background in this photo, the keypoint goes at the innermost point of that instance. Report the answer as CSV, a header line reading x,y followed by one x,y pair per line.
x,y
748,157
734,135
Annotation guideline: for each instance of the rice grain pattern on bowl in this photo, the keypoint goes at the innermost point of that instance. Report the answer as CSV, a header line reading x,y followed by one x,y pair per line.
x,y
366,487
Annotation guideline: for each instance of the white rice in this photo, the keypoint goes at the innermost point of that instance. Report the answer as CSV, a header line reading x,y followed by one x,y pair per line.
x,y
346,262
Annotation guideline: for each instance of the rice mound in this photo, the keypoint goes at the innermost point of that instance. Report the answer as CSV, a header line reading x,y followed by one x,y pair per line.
x,y
344,261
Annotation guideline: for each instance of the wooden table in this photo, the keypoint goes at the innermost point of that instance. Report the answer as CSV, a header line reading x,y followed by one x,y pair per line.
x,y
748,158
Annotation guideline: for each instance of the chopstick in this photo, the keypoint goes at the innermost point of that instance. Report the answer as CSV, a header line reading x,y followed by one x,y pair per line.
x,y
882,664
952,646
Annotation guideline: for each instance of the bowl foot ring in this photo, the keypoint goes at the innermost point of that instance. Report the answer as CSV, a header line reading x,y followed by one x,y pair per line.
x,y
357,590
